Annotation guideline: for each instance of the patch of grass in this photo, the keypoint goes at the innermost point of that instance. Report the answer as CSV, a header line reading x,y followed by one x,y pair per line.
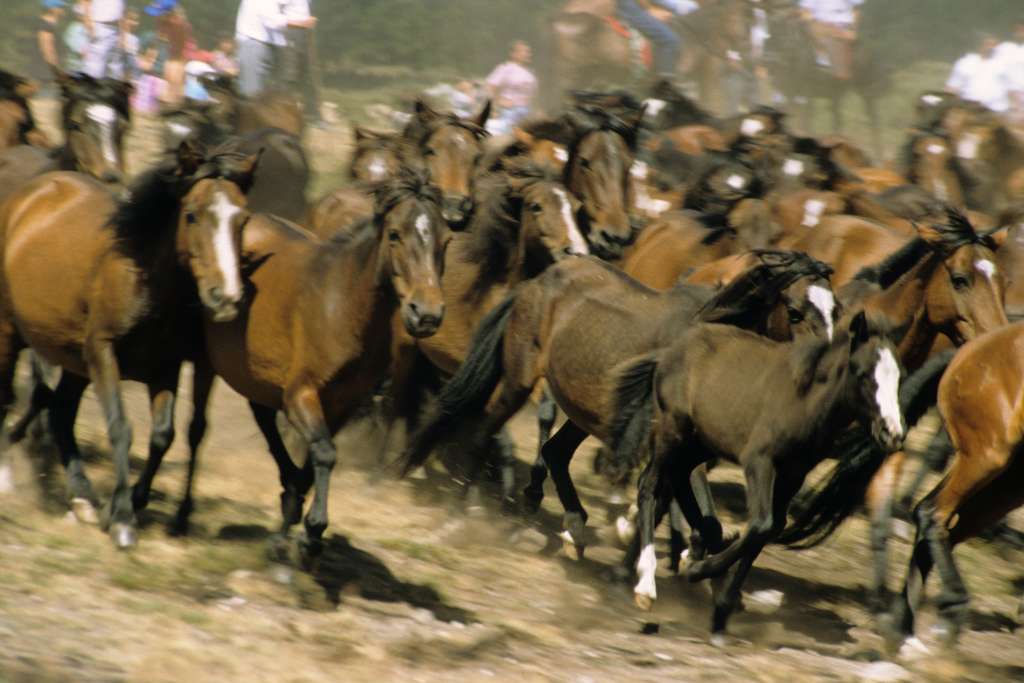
x,y
195,618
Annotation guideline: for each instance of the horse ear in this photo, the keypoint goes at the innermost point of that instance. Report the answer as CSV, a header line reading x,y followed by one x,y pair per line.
x,y
523,137
423,111
247,169
190,156
485,113
860,331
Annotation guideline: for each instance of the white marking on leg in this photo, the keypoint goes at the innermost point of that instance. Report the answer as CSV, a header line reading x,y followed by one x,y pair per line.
x,y
6,477
823,299
887,377
224,245
646,567
577,244
986,268
813,208
793,167
104,116
751,127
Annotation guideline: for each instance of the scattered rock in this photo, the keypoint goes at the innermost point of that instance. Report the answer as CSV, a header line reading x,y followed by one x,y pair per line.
x,y
769,599
885,671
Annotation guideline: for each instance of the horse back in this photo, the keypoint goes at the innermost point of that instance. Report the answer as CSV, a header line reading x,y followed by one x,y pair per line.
x,y
847,243
672,246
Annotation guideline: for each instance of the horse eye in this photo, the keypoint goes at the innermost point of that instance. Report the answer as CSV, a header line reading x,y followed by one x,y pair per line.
x,y
795,316
534,207
960,282
428,152
584,162
190,218
393,235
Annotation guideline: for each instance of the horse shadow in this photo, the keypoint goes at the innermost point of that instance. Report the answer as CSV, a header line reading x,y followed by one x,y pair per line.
x,y
342,569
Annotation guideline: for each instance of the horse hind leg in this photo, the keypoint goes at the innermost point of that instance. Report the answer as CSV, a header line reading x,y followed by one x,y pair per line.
x,y
547,412
557,453
162,397
67,398
8,359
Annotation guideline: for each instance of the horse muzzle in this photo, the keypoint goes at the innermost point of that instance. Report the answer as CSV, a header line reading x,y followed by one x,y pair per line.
x,y
455,209
422,320
221,308
888,438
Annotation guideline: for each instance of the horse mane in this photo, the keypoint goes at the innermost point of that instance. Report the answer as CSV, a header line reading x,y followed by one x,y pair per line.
x,y
746,301
419,131
586,119
911,202
684,110
409,183
955,232
98,91
895,265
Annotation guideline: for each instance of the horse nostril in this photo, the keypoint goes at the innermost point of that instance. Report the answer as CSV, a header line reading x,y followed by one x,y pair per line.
x,y
111,177
216,294
414,309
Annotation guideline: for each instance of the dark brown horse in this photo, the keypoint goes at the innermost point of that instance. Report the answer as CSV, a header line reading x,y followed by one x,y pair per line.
x,y
450,147
237,114
992,158
17,125
929,160
95,114
980,399
106,291
770,407
314,337
538,332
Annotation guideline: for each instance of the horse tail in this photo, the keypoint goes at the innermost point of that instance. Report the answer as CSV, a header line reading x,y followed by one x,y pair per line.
x,y
858,460
467,392
634,411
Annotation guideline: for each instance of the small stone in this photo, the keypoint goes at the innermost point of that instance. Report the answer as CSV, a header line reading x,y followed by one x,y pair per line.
x,y
771,599
885,671
663,657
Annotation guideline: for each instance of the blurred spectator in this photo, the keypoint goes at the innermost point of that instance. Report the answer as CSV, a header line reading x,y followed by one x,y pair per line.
x,y
1010,56
979,77
76,40
652,19
297,57
512,86
224,57
49,50
101,18
194,70
174,30
259,33
834,29
124,61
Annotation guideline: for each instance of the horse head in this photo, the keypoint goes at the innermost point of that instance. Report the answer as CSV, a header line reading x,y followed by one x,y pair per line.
x,y
96,115
546,212
378,156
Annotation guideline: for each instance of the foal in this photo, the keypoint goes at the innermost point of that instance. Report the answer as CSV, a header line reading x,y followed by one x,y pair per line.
x,y
770,407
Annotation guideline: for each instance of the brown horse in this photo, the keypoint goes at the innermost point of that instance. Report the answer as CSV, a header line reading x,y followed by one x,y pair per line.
x,y
602,147
95,114
104,290
847,243
537,333
377,156
17,125
929,161
450,147
277,354
992,158
770,407
240,115
980,399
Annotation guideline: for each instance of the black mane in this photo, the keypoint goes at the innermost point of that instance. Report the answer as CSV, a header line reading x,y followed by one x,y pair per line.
x,y
895,265
408,184
419,131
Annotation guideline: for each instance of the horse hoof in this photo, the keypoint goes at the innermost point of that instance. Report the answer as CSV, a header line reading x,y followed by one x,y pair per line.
x,y
178,527
6,478
123,535
572,549
84,511
625,530
644,602
309,550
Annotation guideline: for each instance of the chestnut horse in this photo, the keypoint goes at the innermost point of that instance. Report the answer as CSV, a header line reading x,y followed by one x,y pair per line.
x,y
537,332
314,337
981,399
106,290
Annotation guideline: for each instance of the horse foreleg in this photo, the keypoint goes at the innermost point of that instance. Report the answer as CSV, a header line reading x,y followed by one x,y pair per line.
x,y
557,453
547,412
760,478
106,378
202,385
879,499
304,411
161,434
9,359
63,411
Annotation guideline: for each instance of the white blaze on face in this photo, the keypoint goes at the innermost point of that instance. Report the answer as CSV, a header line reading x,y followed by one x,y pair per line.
x,y
793,167
638,170
377,169
751,127
653,107
887,379
423,229
967,148
736,181
822,299
180,130
576,241
986,268
931,100
561,154
935,148
813,209
646,567
224,245
104,116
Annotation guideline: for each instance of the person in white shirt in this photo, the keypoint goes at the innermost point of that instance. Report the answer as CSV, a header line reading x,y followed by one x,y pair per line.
x,y
834,29
979,77
1010,57
259,32
101,19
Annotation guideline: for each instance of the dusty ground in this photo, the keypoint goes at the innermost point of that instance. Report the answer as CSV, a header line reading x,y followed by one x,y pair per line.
x,y
410,589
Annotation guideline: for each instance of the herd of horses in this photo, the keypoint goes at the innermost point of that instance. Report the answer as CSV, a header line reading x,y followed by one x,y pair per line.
x,y
683,287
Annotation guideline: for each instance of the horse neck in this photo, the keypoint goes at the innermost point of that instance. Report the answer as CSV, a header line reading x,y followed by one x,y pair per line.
x,y
942,182
826,403
360,274
904,306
